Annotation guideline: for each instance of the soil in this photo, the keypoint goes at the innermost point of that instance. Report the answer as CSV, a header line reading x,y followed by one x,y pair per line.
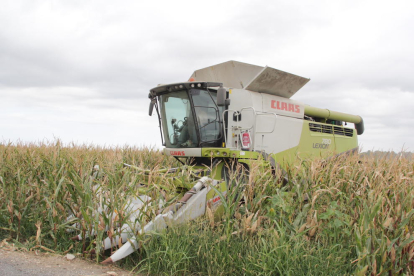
x,y
15,262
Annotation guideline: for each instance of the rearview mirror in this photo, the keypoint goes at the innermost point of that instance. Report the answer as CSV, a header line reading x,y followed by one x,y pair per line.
x,y
151,107
221,96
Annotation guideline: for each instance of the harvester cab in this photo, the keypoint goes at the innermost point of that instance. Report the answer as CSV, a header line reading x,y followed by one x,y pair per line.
x,y
226,117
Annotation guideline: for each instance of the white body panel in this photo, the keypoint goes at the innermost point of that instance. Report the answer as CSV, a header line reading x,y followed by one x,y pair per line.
x,y
195,207
275,123
286,135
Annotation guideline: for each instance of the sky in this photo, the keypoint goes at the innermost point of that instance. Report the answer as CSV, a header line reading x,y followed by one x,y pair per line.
x,y
81,70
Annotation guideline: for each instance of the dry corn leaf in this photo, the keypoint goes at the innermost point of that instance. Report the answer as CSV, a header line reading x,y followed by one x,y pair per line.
x,y
388,222
308,220
302,228
374,268
254,226
210,216
411,253
248,220
60,207
392,254
10,207
276,234
313,222
398,209
69,249
312,231
237,215
384,258
29,198
120,241
42,247
38,232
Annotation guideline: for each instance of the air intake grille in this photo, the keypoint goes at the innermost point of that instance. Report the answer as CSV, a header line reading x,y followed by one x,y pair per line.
x,y
328,129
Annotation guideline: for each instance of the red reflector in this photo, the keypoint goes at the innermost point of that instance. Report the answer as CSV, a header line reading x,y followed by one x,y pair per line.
x,y
246,141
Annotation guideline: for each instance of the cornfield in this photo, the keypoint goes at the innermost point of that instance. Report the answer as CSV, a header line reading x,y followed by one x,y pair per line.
x,y
351,215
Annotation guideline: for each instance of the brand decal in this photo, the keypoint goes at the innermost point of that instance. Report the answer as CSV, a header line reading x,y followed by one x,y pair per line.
x,y
285,106
217,198
177,152
324,145
215,201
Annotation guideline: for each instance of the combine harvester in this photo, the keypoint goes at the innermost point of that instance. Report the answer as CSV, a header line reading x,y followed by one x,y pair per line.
x,y
227,114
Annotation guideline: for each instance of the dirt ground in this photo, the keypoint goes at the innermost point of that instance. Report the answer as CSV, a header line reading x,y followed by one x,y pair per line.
x,y
14,262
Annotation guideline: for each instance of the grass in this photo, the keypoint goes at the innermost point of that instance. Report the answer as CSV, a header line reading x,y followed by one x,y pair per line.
x,y
349,216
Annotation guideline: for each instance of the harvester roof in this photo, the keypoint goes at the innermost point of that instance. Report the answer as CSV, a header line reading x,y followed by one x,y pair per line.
x,y
252,77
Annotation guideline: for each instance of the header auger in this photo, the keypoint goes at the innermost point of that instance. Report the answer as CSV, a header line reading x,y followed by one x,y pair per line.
x,y
226,115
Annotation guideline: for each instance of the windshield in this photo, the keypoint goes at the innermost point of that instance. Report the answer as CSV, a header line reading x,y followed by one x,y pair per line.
x,y
178,122
181,128
206,115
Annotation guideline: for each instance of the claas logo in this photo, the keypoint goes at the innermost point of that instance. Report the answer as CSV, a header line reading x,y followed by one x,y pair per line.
x,y
176,152
285,106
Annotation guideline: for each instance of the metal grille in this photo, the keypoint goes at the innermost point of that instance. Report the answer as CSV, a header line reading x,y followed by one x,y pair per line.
x,y
331,129
320,128
339,131
349,132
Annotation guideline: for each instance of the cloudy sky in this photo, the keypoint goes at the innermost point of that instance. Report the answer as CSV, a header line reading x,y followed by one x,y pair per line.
x,y
80,70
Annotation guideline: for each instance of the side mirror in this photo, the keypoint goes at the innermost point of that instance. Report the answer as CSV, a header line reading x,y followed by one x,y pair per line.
x,y
221,96
151,107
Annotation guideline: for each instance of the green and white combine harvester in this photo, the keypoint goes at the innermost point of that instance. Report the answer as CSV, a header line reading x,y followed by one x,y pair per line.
x,y
226,116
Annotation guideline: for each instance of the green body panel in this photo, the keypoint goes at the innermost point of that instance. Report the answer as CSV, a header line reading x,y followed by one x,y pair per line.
x,y
316,145
344,144
311,145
